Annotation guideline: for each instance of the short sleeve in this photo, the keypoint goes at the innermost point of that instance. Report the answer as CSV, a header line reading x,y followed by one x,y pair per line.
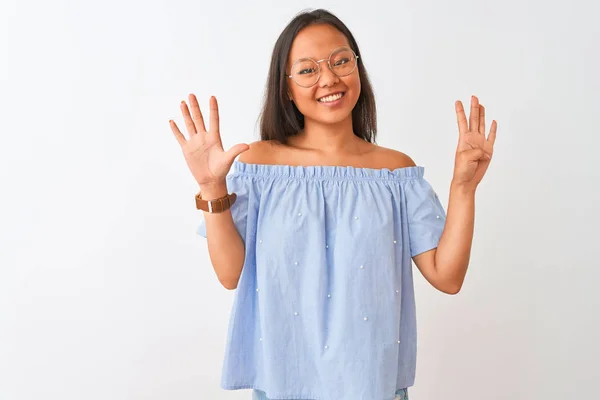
x,y
426,216
239,210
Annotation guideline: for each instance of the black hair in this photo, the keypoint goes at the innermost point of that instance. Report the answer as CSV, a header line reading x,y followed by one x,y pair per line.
x,y
280,118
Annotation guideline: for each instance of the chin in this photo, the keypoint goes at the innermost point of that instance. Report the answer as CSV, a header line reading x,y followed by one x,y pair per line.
x,y
331,119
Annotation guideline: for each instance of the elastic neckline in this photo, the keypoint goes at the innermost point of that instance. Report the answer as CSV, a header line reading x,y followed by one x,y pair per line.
x,y
326,172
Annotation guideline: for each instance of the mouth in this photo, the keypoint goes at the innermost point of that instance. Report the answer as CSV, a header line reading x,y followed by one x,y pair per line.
x,y
331,98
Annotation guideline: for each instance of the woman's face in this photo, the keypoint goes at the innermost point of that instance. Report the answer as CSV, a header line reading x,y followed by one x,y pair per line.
x,y
316,103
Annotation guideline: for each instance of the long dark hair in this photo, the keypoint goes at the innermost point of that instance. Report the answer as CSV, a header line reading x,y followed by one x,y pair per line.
x,y
280,118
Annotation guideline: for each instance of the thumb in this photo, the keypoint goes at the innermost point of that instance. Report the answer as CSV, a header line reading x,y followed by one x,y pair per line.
x,y
477,154
236,150
473,155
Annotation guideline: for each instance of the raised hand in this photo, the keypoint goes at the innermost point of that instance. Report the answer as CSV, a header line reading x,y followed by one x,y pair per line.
x,y
203,151
474,151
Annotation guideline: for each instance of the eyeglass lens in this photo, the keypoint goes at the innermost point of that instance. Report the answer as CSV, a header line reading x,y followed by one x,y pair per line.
x,y
305,72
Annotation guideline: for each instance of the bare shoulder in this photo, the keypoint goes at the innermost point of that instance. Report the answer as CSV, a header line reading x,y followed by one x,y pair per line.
x,y
393,159
260,152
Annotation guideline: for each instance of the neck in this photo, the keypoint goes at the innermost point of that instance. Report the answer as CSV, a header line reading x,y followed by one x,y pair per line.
x,y
328,139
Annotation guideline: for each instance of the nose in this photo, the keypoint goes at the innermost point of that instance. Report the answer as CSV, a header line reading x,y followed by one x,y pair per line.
x,y
328,78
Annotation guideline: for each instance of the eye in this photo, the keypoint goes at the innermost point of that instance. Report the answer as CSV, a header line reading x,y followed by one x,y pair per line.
x,y
341,61
306,71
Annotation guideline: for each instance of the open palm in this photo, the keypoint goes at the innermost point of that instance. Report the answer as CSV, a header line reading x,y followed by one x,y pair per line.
x,y
474,150
203,151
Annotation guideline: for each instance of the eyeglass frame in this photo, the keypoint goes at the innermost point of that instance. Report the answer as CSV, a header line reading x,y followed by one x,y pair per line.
x,y
356,57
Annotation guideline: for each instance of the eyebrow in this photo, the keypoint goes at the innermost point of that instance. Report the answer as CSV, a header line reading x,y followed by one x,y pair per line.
x,y
328,54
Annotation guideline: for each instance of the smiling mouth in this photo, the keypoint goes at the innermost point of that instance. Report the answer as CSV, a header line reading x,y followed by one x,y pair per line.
x,y
331,98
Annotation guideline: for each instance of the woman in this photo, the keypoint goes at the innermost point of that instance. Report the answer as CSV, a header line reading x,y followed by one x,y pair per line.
x,y
317,225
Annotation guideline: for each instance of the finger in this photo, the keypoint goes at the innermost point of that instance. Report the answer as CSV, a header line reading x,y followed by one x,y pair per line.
x,y
214,115
474,115
236,150
178,135
189,123
461,118
492,136
482,119
197,114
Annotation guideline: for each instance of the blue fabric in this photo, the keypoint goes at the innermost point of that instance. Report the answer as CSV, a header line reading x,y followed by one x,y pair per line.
x,y
324,308
401,394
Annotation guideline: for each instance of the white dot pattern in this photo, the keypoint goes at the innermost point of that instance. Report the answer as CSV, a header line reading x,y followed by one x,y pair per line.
x,y
286,292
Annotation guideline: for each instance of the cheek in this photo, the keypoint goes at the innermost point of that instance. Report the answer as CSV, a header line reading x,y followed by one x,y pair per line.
x,y
304,98
354,84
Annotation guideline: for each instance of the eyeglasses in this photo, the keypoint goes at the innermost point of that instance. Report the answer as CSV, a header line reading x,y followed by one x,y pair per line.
x,y
306,71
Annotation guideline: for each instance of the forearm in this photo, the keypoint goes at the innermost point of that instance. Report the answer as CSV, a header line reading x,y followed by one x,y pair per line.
x,y
454,249
225,245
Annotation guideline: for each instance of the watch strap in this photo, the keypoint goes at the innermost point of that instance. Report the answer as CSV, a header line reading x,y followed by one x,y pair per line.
x,y
216,205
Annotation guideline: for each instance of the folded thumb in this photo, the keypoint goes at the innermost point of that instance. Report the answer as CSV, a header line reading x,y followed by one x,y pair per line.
x,y
236,150
477,154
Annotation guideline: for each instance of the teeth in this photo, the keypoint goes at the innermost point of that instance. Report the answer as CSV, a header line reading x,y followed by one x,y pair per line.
x,y
331,98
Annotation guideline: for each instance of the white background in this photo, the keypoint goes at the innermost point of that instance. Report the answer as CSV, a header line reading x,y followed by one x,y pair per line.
x,y
106,292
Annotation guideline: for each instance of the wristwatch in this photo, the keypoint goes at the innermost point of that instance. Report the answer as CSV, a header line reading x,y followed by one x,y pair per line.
x,y
217,205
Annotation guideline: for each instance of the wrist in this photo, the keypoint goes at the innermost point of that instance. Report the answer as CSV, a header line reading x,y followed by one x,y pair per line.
x,y
214,190
465,189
